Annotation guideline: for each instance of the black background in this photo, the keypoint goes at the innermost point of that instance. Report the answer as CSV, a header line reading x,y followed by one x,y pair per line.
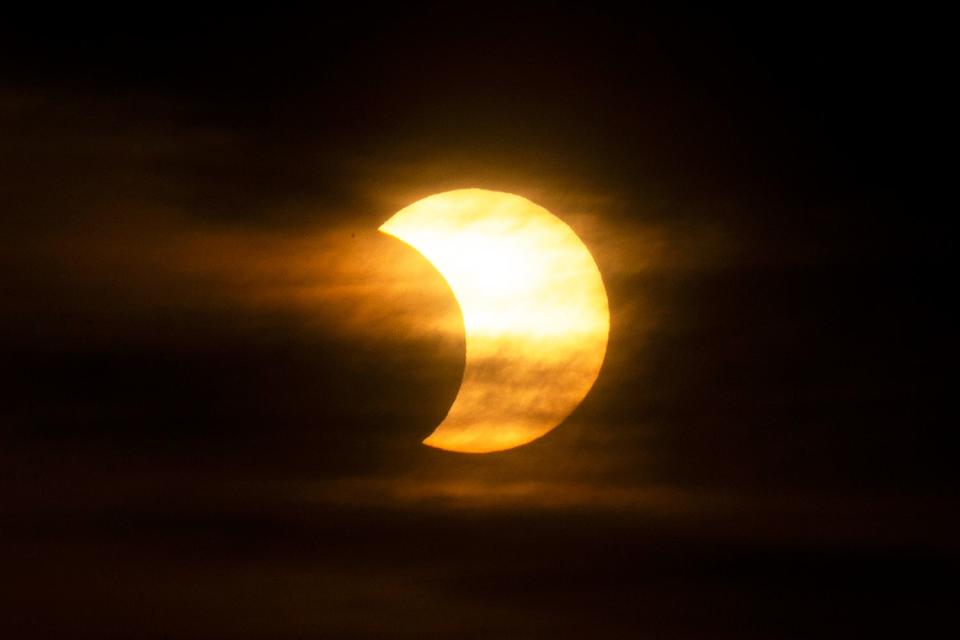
x,y
766,455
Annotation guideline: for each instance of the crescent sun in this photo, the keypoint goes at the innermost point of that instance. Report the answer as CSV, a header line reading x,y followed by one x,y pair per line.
x,y
534,309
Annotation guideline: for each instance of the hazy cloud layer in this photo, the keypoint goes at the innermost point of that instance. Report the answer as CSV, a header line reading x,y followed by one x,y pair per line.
x,y
215,374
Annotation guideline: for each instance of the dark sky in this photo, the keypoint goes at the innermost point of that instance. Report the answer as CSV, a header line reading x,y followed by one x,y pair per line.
x,y
216,374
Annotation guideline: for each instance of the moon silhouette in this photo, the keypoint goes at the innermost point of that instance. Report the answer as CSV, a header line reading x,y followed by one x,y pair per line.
x,y
534,309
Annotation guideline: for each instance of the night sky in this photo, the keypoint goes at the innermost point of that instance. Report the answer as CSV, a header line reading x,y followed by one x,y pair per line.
x,y
216,374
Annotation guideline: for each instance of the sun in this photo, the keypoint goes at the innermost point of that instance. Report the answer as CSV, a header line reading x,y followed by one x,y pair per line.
x,y
534,308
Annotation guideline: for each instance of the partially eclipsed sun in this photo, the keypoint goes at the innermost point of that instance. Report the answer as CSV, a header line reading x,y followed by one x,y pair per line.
x,y
534,311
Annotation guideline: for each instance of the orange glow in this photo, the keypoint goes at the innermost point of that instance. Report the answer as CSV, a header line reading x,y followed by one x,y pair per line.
x,y
534,312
